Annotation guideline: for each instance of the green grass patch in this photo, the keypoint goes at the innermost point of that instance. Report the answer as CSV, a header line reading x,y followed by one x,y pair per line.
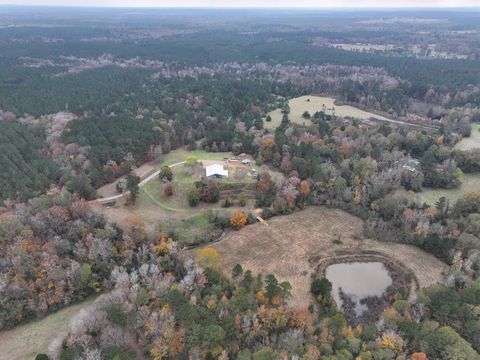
x,y
152,192
25,341
470,182
191,231
472,142
182,155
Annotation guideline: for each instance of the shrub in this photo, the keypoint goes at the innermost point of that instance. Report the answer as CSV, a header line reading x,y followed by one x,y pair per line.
x,y
237,271
208,257
227,202
238,219
209,192
242,200
193,197
321,286
191,161
166,174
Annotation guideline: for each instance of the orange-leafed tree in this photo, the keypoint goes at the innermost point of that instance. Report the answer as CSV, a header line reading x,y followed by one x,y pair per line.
x,y
238,219
304,187
419,356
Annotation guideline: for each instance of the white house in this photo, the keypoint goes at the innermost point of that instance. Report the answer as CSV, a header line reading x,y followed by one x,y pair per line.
x,y
216,171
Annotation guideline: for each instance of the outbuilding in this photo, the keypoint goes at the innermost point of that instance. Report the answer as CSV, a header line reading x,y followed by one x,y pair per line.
x,y
216,171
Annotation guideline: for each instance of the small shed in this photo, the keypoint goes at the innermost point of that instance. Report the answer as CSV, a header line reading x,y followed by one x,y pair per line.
x,y
216,171
411,164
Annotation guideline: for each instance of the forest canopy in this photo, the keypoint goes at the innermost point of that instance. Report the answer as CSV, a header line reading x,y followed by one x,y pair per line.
x,y
25,170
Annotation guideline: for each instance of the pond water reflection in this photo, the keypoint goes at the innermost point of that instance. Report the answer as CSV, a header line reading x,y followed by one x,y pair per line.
x,y
358,280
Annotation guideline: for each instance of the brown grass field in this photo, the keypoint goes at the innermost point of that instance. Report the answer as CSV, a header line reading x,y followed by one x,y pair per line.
x,y
312,104
290,247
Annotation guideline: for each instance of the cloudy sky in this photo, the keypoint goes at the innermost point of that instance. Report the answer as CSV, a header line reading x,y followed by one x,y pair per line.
x,y
250,3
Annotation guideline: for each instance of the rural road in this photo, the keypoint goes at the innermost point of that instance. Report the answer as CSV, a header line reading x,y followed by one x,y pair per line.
x,y
140,184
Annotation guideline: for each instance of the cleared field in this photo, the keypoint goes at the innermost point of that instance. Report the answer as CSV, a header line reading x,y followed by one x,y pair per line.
x,y
182,155
189,224
363,47
313,104
172,157
472,142
290,247
25,341
470,182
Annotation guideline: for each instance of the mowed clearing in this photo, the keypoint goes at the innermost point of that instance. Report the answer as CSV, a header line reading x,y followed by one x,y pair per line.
x,y
470,183
472,142
287,246
312,104
24,342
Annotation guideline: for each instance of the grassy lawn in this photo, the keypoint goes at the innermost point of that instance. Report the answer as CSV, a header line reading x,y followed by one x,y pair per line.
x,y
183,180
189,231
182,155
176,202
25,341
470,182
189,224
472,142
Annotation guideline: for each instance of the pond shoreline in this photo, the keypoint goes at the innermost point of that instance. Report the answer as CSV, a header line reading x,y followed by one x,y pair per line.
x,y
401,278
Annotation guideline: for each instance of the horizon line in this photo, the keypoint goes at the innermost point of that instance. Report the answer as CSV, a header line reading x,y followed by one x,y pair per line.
x,y
244,7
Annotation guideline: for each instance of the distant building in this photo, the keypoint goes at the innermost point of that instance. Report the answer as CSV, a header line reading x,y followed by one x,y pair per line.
x,y
411,164
216,171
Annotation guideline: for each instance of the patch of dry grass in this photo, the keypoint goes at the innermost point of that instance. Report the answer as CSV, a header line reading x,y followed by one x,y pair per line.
x,y
312,104
290,247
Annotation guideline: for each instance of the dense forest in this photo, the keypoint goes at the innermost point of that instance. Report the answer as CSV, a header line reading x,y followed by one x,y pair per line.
x,y
26,171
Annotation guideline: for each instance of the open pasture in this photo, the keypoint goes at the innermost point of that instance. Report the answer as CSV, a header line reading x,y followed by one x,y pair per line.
x,y
312,104
291,247
25,341
470,183
472,142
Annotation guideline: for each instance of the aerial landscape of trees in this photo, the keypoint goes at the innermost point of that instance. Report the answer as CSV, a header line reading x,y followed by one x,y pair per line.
x,y
86,105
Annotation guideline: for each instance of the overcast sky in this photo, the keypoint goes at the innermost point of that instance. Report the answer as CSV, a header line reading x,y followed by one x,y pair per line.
x,y
250,3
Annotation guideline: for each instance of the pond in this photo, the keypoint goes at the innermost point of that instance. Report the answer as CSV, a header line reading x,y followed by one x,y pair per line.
x,y
359,281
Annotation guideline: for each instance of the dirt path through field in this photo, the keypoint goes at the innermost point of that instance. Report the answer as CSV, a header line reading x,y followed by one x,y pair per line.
x,y
288,245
